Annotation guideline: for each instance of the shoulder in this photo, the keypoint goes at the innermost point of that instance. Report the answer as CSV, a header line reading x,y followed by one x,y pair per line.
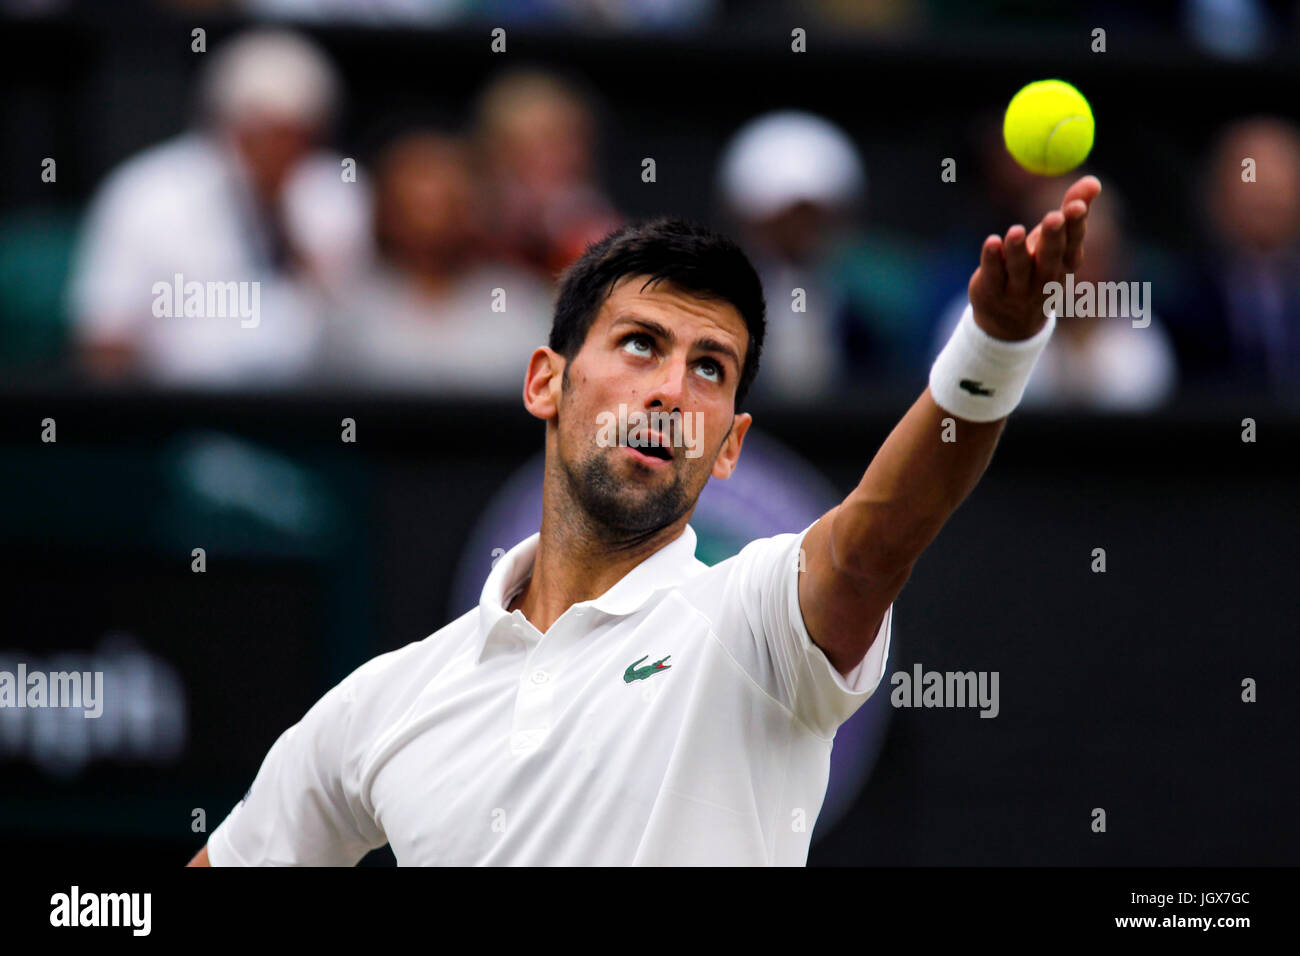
x,y
759,566
166,164
160,182
387,685
317,199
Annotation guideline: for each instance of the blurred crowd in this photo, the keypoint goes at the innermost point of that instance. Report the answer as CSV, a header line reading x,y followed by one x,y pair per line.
x,y
431,267
1228,29
433,270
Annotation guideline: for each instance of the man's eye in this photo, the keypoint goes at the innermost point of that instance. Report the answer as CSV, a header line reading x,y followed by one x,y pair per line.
x,y
712,370
638,340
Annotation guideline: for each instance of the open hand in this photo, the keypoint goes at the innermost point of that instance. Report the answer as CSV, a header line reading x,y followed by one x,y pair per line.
x,y
1007,290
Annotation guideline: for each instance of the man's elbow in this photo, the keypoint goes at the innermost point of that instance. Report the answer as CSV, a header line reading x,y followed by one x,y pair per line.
x,y
880,552
200,858
880,566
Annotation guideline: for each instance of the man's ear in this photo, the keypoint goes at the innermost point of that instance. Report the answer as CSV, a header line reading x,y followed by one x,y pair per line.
x,y
542,383
725,463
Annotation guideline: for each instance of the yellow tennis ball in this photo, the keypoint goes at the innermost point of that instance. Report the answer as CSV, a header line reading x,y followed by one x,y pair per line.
x,y
1048,127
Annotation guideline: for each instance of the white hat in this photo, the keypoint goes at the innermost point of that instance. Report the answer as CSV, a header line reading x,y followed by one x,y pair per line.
x,y
271,72
786,157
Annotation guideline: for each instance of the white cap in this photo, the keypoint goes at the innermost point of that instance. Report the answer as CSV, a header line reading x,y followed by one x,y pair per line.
x,y
271,73
786,157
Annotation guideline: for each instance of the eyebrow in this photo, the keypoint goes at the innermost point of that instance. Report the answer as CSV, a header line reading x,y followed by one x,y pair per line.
x,y
707,343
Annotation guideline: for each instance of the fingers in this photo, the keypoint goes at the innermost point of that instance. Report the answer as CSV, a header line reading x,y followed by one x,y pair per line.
x,y
1078,200
991,277
1012,265
1019,265
1048,261
1034,238
991,263
1086,188
1076,226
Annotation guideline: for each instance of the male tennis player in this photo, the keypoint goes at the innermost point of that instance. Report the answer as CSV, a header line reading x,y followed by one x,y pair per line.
x,y
612,700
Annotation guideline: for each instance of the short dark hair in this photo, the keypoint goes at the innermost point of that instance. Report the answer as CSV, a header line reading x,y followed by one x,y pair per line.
x,y
688,255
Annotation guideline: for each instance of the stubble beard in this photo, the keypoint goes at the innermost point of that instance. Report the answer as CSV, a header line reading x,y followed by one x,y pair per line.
x,y
619,510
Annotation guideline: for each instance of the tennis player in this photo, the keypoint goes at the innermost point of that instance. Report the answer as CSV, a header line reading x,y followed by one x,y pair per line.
x,y
612,700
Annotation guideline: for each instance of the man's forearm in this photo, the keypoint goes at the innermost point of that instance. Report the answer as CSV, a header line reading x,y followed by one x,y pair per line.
x,y
914,483
861,555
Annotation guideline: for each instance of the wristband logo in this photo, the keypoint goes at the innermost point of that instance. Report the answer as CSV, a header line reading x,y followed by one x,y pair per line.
x,y
975,388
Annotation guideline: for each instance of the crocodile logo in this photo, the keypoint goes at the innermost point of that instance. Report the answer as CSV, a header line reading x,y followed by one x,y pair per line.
x,y
634,673
975,388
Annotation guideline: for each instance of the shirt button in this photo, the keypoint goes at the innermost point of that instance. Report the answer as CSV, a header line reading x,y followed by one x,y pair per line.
x,y
540,677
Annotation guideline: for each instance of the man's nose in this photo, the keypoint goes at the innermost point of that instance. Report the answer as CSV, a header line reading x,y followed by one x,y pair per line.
x,y
670,384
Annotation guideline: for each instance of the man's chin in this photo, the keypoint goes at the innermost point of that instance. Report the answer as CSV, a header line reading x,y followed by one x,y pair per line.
x,y
626,496
643,503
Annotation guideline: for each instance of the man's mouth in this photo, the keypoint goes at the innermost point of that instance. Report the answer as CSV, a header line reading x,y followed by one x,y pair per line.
x,y
649,445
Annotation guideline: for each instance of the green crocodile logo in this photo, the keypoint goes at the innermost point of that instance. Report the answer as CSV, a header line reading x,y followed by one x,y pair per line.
x,y
975,388
633,673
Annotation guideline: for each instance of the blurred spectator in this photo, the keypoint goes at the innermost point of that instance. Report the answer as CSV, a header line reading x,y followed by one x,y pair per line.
x,y
996,201
1233,29
375,12
245,202
1003,183
881,18
536,142
433,314
628,15
1239,308
1095,363
793,183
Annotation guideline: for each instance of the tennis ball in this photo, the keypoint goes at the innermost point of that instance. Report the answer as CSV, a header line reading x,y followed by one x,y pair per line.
x,y
1048,127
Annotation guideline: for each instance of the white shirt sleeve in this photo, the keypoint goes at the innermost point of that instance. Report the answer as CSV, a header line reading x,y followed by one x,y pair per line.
x,y
766,583
113,269
304,808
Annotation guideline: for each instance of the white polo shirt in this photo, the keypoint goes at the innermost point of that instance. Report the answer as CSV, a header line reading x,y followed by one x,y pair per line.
x,y
684,717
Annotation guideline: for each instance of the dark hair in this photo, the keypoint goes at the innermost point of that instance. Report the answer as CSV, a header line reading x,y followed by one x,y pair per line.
x,y
684,253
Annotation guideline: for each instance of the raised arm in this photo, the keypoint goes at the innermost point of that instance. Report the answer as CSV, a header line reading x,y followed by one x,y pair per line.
x,y
861,553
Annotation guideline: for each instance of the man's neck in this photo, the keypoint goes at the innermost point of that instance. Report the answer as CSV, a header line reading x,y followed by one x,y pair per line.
x,y
573,565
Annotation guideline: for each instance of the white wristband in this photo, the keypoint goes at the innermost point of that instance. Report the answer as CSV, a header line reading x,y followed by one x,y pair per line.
x,y
981,378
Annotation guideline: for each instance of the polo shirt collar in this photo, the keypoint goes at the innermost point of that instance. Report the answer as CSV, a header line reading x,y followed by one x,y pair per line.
x,y
667,567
